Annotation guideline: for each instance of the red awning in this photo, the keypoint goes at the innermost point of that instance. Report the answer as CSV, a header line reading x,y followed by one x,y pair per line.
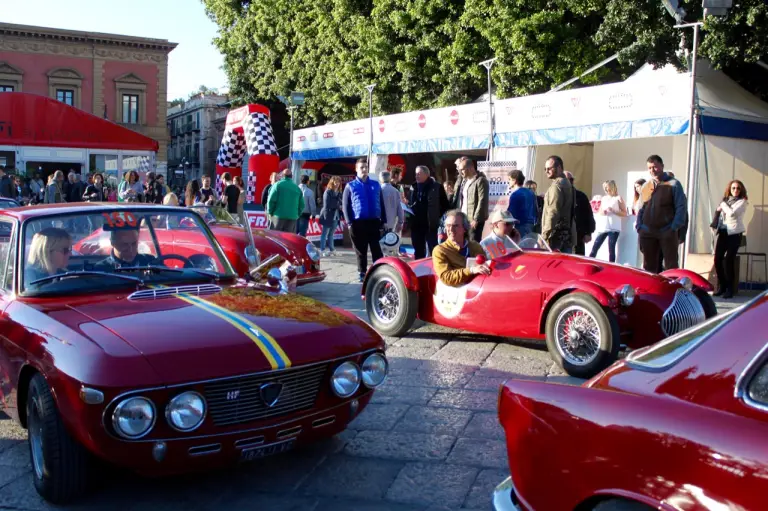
x,y
32,120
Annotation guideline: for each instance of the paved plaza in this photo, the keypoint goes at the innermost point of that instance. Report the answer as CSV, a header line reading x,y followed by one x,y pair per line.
x,y
430,440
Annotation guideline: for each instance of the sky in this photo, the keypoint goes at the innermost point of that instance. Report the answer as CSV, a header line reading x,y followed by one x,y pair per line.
x,y
194,62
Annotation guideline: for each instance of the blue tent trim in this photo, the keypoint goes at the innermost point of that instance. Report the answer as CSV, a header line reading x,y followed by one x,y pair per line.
x,y
734,128
623,130
352,151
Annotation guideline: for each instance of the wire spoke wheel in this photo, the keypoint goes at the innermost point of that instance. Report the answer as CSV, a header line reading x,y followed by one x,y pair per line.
x,y
386,300
578,335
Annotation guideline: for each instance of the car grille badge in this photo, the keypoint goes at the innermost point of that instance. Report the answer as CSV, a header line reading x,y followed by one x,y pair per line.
x,y
270,393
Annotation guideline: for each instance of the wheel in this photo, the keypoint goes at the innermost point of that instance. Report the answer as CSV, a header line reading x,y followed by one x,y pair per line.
x,y
60,464
621,505
582,335
710,309
187,263
391,307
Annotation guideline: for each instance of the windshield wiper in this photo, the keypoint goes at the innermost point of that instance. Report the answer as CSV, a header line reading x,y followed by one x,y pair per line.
x,y
149,268
68,274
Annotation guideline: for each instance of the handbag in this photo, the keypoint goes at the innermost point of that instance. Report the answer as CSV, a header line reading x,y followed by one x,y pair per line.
x,y
715,221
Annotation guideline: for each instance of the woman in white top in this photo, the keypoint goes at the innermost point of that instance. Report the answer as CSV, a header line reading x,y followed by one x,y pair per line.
x,y
729,228
608,219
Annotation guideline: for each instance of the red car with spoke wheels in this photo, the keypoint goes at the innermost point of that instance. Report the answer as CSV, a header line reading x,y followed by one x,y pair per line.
x,y
585,310
679,426
154,354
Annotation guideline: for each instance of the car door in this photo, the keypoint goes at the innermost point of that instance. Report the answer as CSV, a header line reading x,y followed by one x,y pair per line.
x,y
11,357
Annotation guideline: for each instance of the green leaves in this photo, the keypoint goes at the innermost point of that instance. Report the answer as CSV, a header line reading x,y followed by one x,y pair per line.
x,y
426,53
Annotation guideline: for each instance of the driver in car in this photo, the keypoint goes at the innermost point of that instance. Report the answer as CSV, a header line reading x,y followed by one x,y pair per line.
x,y
503,238
450,258
125,251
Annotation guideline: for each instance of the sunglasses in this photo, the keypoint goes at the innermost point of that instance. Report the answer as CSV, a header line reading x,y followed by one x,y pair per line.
x,y
547,169
66,251
452,227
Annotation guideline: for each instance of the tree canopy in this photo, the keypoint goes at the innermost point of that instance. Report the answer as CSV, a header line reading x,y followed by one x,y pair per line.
x,y
426,53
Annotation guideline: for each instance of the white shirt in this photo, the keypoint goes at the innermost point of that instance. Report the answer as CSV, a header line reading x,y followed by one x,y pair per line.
x,y
496,246
464,188
612,222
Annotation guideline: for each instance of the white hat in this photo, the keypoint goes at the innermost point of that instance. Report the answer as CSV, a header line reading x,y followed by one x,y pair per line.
x,y
502,215
391,239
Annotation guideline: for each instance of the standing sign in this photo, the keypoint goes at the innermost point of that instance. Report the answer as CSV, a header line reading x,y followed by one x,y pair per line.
x,y
258,220
498,181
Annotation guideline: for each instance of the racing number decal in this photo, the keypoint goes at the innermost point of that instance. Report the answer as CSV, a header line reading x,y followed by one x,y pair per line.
x,y
496,249
119,219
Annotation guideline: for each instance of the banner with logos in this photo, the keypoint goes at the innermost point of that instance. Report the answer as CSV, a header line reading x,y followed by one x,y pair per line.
x,y
258,220
518,158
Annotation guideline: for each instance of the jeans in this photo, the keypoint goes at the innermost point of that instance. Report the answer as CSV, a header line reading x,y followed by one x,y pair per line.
x,y
613,237
326,238
524,229
726,247
365,235
284,225
302,224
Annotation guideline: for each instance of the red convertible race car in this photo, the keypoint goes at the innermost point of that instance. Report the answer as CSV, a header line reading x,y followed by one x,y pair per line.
x,y
585,309
679,426
163,360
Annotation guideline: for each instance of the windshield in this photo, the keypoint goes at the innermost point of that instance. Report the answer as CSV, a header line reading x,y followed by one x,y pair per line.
x,y
533,241
215,215
119,246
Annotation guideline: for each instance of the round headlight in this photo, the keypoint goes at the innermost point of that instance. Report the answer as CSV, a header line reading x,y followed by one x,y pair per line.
x,y
186,411
686,282
626,295
312,252
374,370
133,417
346,379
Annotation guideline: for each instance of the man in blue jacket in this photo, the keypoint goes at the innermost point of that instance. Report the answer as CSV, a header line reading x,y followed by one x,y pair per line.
x,y
363,207
522,203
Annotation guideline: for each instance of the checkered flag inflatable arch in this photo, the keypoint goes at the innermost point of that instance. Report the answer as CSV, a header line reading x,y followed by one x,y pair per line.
x,y
248,131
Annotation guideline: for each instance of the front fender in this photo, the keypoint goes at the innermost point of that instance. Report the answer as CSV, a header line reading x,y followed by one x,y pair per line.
x,y
596,291
697,279
406,273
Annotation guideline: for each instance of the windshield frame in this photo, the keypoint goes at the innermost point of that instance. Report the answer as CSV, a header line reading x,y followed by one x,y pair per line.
x,y
142,210
235,222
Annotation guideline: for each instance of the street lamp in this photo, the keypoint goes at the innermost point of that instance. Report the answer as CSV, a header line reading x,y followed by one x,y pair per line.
x,y
370,88
488,64
292,102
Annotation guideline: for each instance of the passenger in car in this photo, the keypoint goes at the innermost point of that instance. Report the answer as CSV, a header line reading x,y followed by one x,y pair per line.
x,y
503,238
125,251
450,258
48,254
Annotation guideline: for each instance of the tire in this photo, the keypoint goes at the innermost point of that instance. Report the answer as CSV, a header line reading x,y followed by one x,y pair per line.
x,y
404,313
585,311
621,505
59,463
710,308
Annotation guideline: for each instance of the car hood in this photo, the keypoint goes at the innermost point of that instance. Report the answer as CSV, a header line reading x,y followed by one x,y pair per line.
x,y
236,331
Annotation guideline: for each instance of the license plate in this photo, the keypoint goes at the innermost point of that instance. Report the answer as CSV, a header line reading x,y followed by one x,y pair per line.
x,y
263,451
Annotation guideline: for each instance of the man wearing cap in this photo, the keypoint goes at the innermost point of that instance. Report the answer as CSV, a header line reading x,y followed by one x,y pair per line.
x,y
501,240
449,259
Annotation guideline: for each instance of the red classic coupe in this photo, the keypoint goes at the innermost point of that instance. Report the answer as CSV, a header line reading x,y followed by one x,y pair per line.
x,y
155,355
585,309
681,425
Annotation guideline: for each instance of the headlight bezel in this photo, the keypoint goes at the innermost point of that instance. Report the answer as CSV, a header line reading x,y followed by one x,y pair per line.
x,y
366,383
121,405
168,412
312,252
686,282
358,372
626,295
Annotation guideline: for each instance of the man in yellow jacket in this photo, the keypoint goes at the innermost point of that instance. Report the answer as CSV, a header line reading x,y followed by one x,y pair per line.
x,y
450,258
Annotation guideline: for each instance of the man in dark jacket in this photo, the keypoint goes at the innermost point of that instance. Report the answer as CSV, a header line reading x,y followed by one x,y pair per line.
x,y
155,191
585,219
427,211
364,212
76,189
6,186
471,196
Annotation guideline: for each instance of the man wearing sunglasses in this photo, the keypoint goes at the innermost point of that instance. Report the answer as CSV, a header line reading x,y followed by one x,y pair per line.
x,y
558,226
450,258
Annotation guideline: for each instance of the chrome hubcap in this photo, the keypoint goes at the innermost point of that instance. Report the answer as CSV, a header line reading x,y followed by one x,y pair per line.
x,y
36,441
385,300
578,335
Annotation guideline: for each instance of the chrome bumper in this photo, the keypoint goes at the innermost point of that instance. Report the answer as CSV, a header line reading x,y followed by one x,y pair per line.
x,y
504,497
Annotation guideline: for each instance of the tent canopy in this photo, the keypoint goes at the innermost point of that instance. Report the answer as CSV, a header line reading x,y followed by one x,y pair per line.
x,y
33,120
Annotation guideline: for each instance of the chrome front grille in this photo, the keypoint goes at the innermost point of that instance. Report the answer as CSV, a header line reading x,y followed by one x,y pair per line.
x,y
686,311
239,400
163,292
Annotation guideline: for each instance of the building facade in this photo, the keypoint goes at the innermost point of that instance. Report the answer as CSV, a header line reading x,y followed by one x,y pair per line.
x,y
195,137
119,78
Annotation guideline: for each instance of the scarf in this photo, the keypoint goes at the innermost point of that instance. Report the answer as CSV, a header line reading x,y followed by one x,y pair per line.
x,y
732,200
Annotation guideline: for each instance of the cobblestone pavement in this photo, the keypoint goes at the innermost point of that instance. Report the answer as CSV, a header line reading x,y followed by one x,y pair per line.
x,y
429,440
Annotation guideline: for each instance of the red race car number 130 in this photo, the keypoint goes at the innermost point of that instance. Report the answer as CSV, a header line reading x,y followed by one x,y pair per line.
x,y
119,219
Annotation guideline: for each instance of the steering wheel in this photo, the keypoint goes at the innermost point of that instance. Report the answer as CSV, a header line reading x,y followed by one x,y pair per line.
x,y
187,262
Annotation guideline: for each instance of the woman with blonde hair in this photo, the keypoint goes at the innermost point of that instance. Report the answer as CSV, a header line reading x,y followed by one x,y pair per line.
x,y
48,254
330,214
608,220
170,199
729,228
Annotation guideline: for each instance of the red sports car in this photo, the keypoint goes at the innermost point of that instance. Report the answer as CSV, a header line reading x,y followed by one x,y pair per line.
x,y
681,425
157,356
585,309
